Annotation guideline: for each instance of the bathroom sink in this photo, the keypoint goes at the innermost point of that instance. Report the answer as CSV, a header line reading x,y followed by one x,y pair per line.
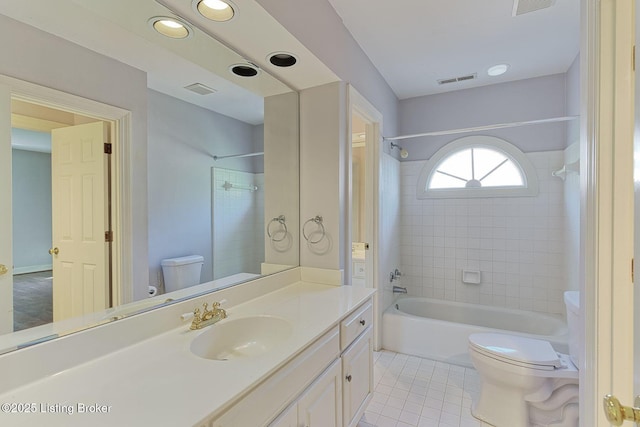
x,y
241,338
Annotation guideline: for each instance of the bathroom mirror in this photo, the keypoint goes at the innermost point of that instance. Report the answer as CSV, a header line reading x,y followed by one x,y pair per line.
x,y
211,158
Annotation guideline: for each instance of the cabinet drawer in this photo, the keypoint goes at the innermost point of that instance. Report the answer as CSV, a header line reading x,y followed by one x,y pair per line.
x,y
355,324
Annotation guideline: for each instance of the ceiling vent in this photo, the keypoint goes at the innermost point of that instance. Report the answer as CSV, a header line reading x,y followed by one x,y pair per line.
x,y
458,79
521,7
200,89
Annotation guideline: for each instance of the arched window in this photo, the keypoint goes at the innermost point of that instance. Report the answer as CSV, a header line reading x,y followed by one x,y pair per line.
x,y
477,166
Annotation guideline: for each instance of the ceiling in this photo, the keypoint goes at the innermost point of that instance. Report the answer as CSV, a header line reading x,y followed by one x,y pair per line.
x,y
415,43
412,44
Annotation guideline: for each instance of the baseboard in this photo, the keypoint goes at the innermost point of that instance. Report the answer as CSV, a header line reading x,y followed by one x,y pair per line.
x,y
32,269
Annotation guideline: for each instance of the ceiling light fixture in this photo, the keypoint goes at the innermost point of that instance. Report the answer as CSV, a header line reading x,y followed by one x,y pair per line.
x,y
170,27
244,70
215,10
498,70
282,59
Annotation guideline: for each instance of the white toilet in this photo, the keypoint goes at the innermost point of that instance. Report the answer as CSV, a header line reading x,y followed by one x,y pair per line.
x,y
525,382
180,273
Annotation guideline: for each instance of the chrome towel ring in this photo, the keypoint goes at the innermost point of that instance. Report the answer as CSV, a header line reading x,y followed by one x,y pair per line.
x,y
280,220
318,221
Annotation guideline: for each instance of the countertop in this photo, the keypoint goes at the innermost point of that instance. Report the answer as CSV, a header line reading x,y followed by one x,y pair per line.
x,y
160,382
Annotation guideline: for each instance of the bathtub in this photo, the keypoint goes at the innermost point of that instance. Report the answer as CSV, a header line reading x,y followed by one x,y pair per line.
x,y
438,329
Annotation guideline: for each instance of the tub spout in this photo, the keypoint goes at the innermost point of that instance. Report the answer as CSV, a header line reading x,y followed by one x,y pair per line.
x,y
399,290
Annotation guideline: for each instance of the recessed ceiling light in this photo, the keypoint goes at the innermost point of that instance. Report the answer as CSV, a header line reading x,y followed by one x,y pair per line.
x,y
215,10
282,59
244,70
498,70
170,27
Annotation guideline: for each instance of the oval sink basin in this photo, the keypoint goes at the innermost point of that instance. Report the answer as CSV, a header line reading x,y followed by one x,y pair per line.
x,y
241,338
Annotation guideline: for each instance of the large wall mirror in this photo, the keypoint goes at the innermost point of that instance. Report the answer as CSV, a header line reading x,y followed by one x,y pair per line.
x,y
143,169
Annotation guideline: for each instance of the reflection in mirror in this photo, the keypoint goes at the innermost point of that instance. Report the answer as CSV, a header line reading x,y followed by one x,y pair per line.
x,y
210,157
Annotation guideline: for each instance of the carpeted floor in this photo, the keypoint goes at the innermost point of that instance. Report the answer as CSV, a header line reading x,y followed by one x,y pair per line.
x,y
32,300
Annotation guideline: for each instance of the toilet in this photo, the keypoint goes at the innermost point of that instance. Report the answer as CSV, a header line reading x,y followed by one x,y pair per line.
x,y
180,273
524,381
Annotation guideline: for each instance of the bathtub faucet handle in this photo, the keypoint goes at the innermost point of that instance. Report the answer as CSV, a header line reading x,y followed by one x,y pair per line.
x,y
397,273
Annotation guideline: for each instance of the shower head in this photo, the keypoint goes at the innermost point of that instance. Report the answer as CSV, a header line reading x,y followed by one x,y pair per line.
x,y
403,153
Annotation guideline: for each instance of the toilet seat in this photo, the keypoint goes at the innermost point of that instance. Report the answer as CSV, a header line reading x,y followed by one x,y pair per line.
x,y
520,351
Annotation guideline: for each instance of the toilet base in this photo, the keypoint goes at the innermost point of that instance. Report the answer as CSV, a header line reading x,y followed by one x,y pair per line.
x,y
559,410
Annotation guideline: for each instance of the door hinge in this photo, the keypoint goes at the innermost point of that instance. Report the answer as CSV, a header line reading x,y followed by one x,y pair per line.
x,y
108,236
107,148
632,271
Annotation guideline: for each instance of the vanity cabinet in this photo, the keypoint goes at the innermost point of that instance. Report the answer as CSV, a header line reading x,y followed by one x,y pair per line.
x,y
357,377
327,385
319,406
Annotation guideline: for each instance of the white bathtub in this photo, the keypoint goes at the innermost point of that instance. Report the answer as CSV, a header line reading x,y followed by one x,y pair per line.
x,y
439,329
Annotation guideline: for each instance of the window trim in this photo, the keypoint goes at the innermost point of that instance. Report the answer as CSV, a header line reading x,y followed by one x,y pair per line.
x,y
529,175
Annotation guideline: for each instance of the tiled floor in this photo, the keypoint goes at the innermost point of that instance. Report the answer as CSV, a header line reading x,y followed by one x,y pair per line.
x,y
411,391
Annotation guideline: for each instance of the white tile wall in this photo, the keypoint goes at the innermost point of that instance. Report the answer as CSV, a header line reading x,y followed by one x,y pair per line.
x,y
238,222
518,243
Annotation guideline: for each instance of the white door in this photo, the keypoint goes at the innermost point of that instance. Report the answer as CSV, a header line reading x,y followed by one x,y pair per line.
x,y
6,231
607,173
79,250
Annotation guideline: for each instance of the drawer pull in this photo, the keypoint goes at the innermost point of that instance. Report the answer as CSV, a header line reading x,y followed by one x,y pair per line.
x,y
348,378
362,322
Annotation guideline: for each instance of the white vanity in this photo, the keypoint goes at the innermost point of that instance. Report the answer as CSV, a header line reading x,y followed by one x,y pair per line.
x,y
315,368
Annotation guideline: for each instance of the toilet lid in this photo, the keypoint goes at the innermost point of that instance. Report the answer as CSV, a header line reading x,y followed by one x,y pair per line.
x,y
528,352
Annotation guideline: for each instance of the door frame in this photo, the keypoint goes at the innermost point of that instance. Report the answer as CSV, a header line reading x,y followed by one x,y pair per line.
x,y
121,171
373,140
607,211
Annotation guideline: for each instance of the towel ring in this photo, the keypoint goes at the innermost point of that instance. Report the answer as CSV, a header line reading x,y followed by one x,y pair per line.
x,y
318,220
281,220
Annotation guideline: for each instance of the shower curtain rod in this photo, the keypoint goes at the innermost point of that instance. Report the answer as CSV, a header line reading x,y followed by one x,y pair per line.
x,y
238,155
480,128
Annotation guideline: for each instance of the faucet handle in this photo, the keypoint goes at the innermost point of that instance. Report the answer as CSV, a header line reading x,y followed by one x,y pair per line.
x,y
187,316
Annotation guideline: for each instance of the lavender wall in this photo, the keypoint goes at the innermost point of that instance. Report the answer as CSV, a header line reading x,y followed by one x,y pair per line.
x,y
531,99
183,139
55,63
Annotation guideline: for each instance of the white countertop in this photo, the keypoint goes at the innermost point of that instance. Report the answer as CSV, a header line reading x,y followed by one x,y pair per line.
x,y
160,382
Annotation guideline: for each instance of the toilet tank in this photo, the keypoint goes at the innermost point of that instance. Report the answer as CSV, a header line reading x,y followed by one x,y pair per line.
x,y
574,321
180,273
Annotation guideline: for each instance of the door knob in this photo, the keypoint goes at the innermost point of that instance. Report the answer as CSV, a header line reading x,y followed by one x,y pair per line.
x,y
54,251
616,413
3,269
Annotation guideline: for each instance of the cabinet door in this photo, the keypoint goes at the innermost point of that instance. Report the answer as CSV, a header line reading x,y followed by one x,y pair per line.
x,y
357,378
289,418
321,403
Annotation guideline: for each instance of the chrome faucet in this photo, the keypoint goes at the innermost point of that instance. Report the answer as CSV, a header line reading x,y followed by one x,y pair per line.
x,y
399,290
394,275
207,317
